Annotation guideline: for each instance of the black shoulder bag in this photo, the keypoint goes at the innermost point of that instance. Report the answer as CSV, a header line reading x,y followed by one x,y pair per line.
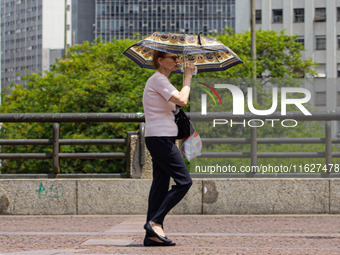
x,y
185,127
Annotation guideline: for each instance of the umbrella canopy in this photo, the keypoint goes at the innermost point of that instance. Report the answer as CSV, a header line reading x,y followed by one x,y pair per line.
x,y
208,54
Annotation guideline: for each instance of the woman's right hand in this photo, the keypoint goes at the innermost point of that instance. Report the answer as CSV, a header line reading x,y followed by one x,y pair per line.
x,y
181,98
189,69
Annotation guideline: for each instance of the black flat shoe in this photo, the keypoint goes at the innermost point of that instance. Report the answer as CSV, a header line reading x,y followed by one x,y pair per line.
x,y
152,232
148,242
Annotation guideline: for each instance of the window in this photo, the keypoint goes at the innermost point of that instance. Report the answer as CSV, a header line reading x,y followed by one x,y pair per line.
x,y
338,98
321,71
320,98
299,15
320,43
300,40
338,42
277,16
258,14
338,14
320,14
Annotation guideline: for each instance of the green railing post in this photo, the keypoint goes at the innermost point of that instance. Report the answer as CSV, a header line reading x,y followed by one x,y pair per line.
x,y
328,145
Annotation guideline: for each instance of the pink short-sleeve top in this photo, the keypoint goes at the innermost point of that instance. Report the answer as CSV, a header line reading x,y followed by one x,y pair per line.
x,y
158,110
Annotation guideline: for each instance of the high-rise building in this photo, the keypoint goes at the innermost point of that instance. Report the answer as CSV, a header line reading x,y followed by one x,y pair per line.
x,y
316,23
83,21
32,36
126,18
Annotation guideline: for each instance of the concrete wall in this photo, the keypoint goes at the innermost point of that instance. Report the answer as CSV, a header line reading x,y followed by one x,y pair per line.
x,y
207,196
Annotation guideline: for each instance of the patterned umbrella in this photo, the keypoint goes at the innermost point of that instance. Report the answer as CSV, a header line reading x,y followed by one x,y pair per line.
x,y
208,54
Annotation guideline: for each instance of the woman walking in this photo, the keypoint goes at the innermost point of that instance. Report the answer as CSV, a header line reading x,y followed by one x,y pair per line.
x,y
159,101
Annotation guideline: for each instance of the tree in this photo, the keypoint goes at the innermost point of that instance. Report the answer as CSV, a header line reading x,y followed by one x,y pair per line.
x,y
96,77
278,54
93,78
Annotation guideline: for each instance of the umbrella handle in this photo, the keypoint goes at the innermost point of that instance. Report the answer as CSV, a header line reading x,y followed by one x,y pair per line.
x,y
182,70
199,38
182,67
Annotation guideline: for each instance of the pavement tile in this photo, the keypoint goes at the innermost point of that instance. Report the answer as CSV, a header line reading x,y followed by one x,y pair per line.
x,y
108,242
194,234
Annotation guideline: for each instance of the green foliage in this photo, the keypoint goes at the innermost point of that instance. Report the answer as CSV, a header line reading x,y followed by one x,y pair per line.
x,y
97,77
93,78
279,54
279,60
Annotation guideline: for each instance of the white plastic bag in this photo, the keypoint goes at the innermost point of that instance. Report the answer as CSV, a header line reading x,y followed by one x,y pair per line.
x,y
191,147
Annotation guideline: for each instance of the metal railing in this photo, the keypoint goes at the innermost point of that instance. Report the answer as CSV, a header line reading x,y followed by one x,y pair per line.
x,y
56,142
253,141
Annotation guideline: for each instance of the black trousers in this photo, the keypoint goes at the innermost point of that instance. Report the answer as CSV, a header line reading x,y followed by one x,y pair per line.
x,y
166,162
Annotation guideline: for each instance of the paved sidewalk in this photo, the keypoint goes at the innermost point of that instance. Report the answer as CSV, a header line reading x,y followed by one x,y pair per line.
x,y
194,234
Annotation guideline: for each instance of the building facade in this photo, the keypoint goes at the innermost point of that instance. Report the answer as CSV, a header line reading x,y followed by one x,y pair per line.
x,y
125,18
83,21
32,36
316,23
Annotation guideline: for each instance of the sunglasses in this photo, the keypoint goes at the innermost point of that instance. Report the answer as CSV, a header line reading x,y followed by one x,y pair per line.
x,y
174,58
